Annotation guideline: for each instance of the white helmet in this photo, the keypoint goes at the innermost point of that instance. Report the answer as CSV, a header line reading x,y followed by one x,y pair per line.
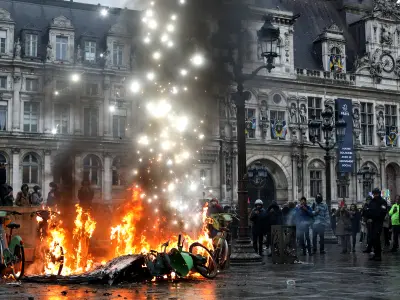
x,y
258,202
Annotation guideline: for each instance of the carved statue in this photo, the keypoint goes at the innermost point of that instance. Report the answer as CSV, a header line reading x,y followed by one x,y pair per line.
x,y
78,57
356,119
388,8
397,67
303,114
380,126
263,114
49,52
107,58
386,36
17,47
293,113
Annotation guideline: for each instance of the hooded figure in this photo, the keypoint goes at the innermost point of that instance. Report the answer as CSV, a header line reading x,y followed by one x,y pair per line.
x,y
258,216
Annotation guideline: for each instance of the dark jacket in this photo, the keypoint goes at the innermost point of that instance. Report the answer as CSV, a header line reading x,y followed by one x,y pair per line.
x,y
274,215
53,197
355,218
259,221
304,217
376,210
216,209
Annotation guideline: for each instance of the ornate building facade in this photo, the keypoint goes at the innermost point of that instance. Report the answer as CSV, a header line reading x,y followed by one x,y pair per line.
x,y
327,50
62,66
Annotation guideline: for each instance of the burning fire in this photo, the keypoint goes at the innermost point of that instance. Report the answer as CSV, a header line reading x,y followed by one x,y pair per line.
x,y
136,233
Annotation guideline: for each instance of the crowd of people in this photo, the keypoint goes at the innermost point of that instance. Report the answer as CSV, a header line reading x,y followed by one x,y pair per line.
x,y
375,221
34,197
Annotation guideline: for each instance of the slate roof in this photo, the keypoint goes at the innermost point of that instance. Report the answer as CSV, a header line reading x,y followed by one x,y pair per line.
x,y
315,16
84,17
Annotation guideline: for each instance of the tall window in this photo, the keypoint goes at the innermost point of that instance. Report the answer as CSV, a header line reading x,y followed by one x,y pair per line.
x,y
3,115
3,82
343,185
251,122
390,121
3,41
315,182
91,169
335,60
119,126
30,169
31,85
278,124
92,89
367,124
315,109
61,48
31,116
61,118
91,121
31,45
90,51
118,176
117,54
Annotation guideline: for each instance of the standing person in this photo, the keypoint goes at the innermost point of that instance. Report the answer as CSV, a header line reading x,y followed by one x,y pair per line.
x,y
258,217
36,198
321,221
85,195
304,217
23,196
355,217
343,228
213,209
386,231
54,195
367,236
274,217
395,217
375,214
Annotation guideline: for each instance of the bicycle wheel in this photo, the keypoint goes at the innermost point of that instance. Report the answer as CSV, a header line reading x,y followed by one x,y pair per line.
x,y
208,269
18,265
223,255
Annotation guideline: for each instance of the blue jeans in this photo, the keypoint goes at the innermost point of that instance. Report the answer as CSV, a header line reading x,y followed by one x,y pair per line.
x,y
319,229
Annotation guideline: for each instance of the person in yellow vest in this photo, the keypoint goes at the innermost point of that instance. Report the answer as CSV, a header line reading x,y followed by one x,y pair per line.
x,y
394,214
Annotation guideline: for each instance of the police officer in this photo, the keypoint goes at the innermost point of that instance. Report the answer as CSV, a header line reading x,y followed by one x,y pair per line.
x,y
375,213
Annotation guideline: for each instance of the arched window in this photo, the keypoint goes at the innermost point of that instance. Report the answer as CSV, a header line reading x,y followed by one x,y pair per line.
x,y
30,169
118,172
3,159
335,60
92,169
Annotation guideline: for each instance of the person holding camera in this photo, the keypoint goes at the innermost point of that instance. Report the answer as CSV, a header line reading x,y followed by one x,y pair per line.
x,y
395,214
259,217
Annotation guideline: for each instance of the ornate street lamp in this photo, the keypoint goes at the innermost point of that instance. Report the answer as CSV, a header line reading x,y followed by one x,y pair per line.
x,y
327,127
268,37
257,175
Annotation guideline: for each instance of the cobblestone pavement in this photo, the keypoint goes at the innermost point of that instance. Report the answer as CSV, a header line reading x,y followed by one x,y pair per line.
x,y
331,276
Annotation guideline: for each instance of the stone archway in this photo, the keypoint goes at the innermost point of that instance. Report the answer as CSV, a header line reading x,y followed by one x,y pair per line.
x,y
276,186
393,179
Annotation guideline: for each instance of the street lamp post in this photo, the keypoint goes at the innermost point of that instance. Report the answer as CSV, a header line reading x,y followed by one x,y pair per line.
x,y
257,174
327,128
268,36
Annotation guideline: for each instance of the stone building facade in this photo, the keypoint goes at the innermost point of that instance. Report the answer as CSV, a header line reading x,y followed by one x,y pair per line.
x,y
62,67
327,50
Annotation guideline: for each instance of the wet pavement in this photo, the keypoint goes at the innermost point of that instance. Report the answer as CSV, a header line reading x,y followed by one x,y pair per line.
x,y
333,276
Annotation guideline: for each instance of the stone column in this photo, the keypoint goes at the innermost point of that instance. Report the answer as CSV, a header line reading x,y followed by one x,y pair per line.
x,y
48,174
295,189
382,162
16,178
107,179
107,130
16,103
222,170
78,116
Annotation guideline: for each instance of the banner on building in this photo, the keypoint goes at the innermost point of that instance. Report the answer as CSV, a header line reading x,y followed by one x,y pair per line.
x,y
344,107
